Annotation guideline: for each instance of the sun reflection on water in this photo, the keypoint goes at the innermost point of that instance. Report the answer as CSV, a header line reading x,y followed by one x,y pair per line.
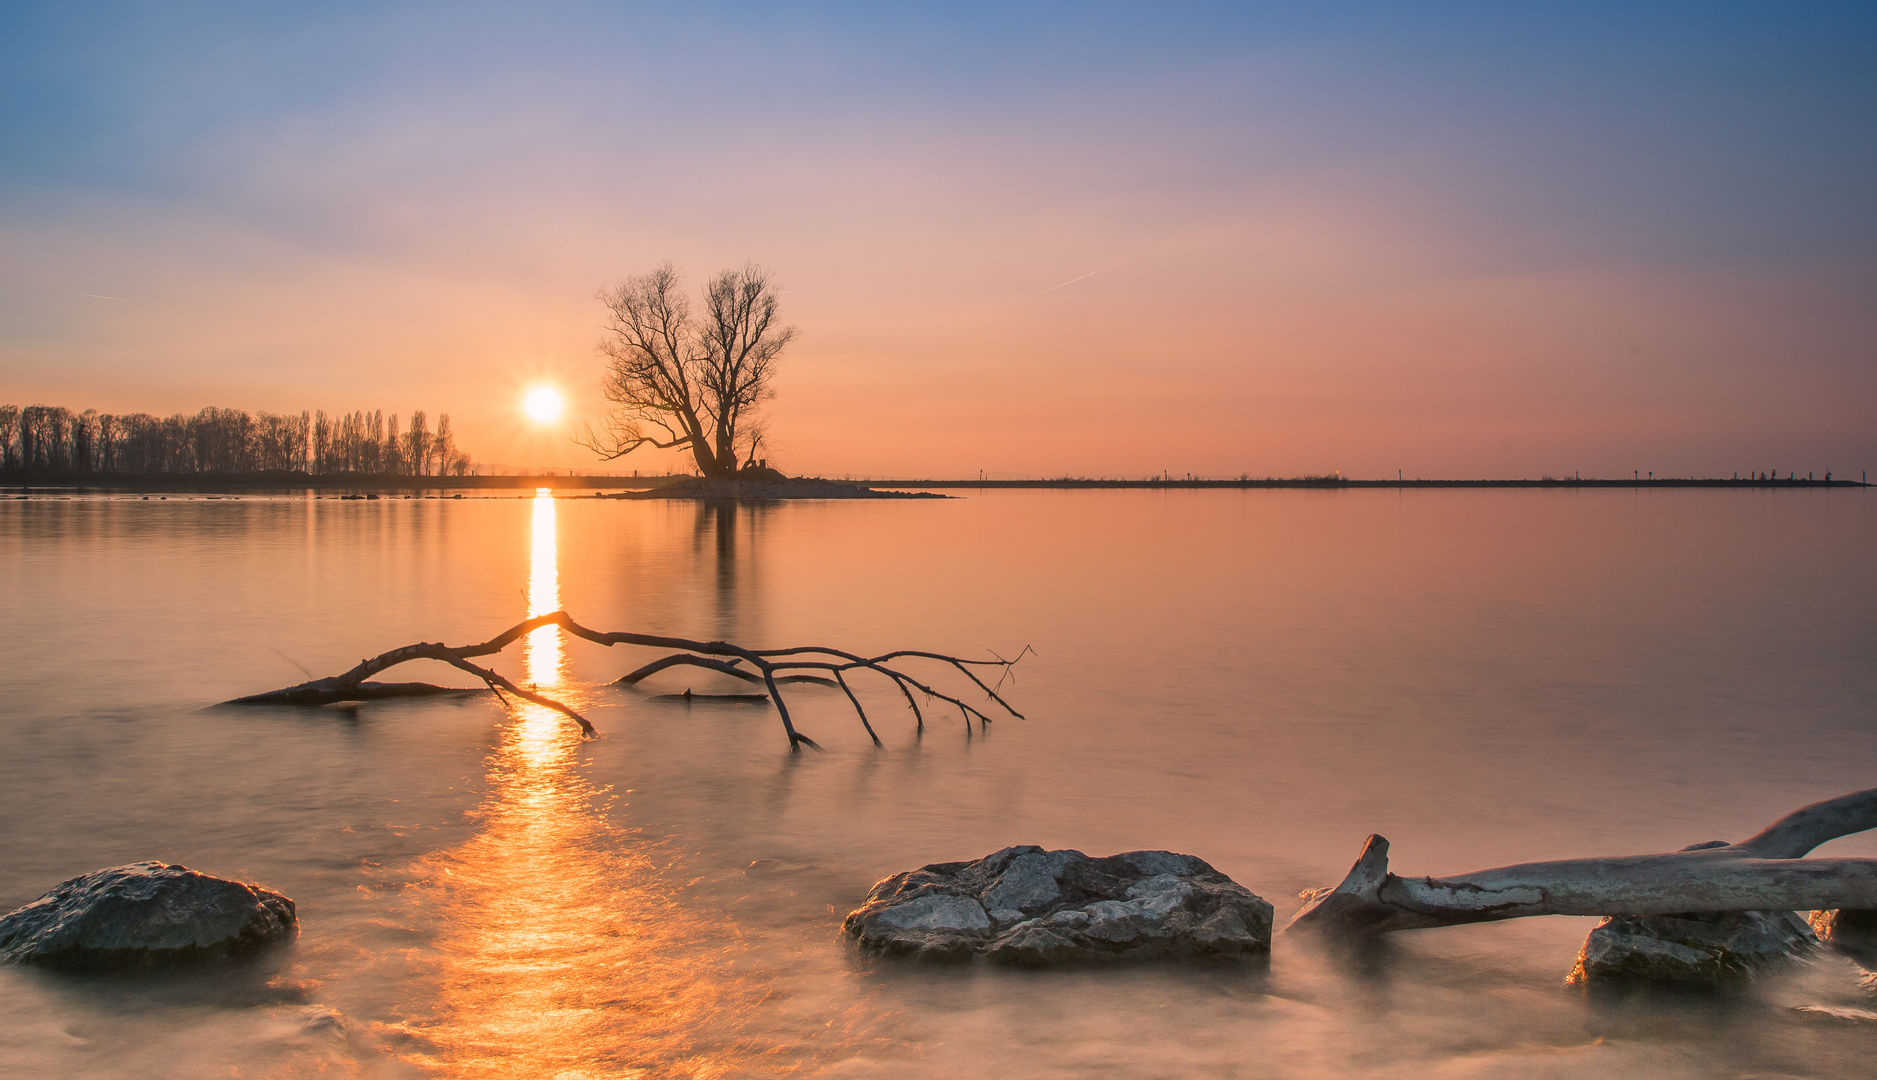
x,y
563,951
541,652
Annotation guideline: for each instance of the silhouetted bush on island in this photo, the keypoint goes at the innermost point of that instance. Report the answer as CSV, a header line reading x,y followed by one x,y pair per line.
x,y
52,442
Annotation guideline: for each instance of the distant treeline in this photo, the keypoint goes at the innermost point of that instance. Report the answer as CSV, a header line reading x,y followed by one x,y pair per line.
x,y
51,441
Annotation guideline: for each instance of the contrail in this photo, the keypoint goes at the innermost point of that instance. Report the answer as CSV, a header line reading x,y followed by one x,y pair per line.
x,y
1073,280
101,296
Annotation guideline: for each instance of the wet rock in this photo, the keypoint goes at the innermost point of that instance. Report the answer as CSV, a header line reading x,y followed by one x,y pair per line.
x,y
1028,906
1852,930
1697,949
146,914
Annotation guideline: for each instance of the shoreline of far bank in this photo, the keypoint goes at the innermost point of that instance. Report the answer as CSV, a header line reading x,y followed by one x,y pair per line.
x,y
292,482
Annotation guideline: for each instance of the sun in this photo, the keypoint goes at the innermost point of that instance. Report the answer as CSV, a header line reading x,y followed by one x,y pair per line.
x,y
543,404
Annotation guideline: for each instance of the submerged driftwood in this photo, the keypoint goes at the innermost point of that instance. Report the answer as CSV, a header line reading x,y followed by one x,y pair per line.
x,y
1765,872
771,667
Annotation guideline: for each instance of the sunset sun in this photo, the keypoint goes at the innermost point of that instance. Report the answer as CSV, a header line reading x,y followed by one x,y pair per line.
x,y
543,404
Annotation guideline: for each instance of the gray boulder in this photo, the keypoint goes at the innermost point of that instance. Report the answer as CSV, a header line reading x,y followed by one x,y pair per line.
x,y
1698,949
146,914
1028,906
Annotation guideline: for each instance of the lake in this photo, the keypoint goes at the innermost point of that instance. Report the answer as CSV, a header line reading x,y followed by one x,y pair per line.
x,y
1259,678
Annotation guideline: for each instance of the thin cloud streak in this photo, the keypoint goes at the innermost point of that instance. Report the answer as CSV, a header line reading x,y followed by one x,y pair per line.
x,y
1073,280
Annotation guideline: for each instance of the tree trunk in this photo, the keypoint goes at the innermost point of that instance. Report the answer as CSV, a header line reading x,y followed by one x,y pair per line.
x,y
1762,873
726,453
706,460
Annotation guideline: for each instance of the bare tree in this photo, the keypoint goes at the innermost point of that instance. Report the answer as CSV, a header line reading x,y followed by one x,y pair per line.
x,y
9,437
391,450
417,448
679,379
443,446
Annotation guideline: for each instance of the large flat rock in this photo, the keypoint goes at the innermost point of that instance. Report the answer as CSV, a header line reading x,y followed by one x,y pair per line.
x,y
1028,906
146,914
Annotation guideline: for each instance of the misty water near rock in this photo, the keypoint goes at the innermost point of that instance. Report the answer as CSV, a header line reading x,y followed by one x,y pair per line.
x,y
1257,678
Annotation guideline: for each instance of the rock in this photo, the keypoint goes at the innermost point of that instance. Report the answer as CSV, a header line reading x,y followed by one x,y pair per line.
x,y
1851,930
147,914
1028,906
1698,949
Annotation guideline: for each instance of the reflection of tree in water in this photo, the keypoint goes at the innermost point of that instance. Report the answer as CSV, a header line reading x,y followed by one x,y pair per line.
x,y
734,570
565,950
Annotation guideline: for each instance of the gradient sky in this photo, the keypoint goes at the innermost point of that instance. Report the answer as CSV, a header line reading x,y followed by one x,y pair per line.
x,y
1451,239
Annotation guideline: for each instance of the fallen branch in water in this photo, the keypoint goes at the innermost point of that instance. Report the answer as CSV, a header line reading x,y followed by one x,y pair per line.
x,y
715,699
726,667
771,667
1765,872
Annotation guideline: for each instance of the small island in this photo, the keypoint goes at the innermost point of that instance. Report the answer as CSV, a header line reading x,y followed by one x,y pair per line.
x,y
762,484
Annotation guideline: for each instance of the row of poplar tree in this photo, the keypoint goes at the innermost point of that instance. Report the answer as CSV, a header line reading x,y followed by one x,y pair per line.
x,y
52,441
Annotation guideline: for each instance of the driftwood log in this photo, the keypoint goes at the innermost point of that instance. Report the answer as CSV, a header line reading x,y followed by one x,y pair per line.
x,y
1765,872
769,667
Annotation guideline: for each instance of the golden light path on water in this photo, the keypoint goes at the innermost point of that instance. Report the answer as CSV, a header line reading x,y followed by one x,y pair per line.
x,y
541,653
563,953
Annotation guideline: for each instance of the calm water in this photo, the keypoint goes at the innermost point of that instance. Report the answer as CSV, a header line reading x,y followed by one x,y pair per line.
x,y
1259,678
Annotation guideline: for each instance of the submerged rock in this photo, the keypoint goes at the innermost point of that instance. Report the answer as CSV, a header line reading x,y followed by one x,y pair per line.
x,y
1025,905
147,914
1696,949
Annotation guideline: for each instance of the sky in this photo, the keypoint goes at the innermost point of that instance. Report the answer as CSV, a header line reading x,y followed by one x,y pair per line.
x,y
1094,240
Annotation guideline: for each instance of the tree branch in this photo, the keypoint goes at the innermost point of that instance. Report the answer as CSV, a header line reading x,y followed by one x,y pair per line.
x,y
620,445
719,656
726,667
1763,873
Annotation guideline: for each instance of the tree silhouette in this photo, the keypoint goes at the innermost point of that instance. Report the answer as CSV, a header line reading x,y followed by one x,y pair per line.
x,y
683,379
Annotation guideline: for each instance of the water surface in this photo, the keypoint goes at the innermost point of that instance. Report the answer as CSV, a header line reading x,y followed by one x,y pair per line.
x,y
1260,678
